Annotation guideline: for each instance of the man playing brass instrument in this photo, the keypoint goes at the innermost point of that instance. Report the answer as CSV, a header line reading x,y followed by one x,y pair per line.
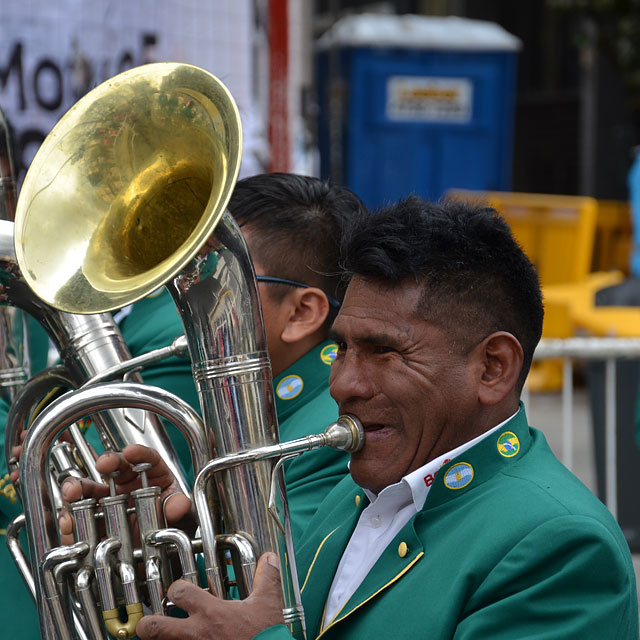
x,y
457,521
292,225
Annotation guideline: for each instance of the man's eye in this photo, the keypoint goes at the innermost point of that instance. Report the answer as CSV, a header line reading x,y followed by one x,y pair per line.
x,y
383,349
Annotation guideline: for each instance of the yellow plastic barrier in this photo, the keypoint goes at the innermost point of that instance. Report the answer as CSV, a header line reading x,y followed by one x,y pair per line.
x,y
556,232
579,246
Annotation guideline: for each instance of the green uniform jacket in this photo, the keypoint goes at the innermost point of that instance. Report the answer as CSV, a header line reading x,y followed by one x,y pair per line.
x,y
304,407
509,545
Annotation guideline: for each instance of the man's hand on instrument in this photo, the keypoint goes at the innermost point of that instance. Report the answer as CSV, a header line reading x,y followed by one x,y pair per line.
x,y
178,507
211,617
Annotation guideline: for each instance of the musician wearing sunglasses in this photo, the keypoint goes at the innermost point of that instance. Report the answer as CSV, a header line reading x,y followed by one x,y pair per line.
x,y
457,520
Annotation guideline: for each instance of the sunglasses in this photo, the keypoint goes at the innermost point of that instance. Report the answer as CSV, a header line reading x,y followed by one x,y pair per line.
x,y
332,301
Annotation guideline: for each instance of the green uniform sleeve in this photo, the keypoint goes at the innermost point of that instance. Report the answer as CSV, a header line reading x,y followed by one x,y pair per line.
x,y
278,632
567,579
18,618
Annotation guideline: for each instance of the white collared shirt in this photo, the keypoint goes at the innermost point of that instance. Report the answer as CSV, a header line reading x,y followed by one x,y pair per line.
x,y
380,523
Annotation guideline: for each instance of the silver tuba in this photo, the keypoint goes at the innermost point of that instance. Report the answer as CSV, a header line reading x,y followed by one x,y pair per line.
x,y
90,348
127,193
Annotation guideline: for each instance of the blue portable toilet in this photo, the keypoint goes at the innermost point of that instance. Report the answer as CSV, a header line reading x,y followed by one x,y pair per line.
x,y
416,104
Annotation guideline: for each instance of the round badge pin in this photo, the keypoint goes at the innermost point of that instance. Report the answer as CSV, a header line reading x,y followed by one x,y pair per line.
x,y
289,387
329,353
458,476
508,444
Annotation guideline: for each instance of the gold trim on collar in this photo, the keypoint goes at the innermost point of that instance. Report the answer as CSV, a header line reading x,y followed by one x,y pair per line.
x,y
315,556
373,595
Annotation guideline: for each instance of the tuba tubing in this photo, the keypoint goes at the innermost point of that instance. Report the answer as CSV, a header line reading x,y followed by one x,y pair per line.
x,y
346,434
15,366
8,191
41,517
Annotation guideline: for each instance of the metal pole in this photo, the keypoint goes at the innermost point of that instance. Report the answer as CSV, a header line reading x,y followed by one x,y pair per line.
x,y
567,412
610,437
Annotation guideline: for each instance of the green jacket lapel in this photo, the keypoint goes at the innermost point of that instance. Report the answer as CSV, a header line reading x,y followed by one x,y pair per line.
x,y
322,560
397,559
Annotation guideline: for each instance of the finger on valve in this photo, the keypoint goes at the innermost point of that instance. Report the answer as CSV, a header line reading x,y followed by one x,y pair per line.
x,y
212,617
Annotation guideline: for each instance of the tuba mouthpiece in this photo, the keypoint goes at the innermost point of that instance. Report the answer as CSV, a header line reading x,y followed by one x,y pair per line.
x,y
346,434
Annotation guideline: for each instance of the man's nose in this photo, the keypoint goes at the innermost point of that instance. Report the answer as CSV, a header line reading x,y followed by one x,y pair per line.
x,y
349,379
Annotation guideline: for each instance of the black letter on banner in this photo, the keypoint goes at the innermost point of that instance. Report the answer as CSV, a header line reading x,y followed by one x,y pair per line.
x,y
55,101
149,42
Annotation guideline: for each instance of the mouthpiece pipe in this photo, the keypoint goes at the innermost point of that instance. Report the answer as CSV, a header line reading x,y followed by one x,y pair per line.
x,y
346,434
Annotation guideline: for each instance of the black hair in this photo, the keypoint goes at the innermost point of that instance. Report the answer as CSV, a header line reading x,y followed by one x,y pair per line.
x,y
296,223
476,277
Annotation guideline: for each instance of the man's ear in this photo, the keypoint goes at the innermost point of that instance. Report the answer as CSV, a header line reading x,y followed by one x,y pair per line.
x,y
502,359
309,309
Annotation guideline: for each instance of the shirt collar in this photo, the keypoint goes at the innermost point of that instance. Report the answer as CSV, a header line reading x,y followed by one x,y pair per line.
x,y
419,481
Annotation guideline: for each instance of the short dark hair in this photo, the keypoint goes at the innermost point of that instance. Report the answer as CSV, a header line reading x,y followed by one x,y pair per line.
x,y
477,279
296,222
